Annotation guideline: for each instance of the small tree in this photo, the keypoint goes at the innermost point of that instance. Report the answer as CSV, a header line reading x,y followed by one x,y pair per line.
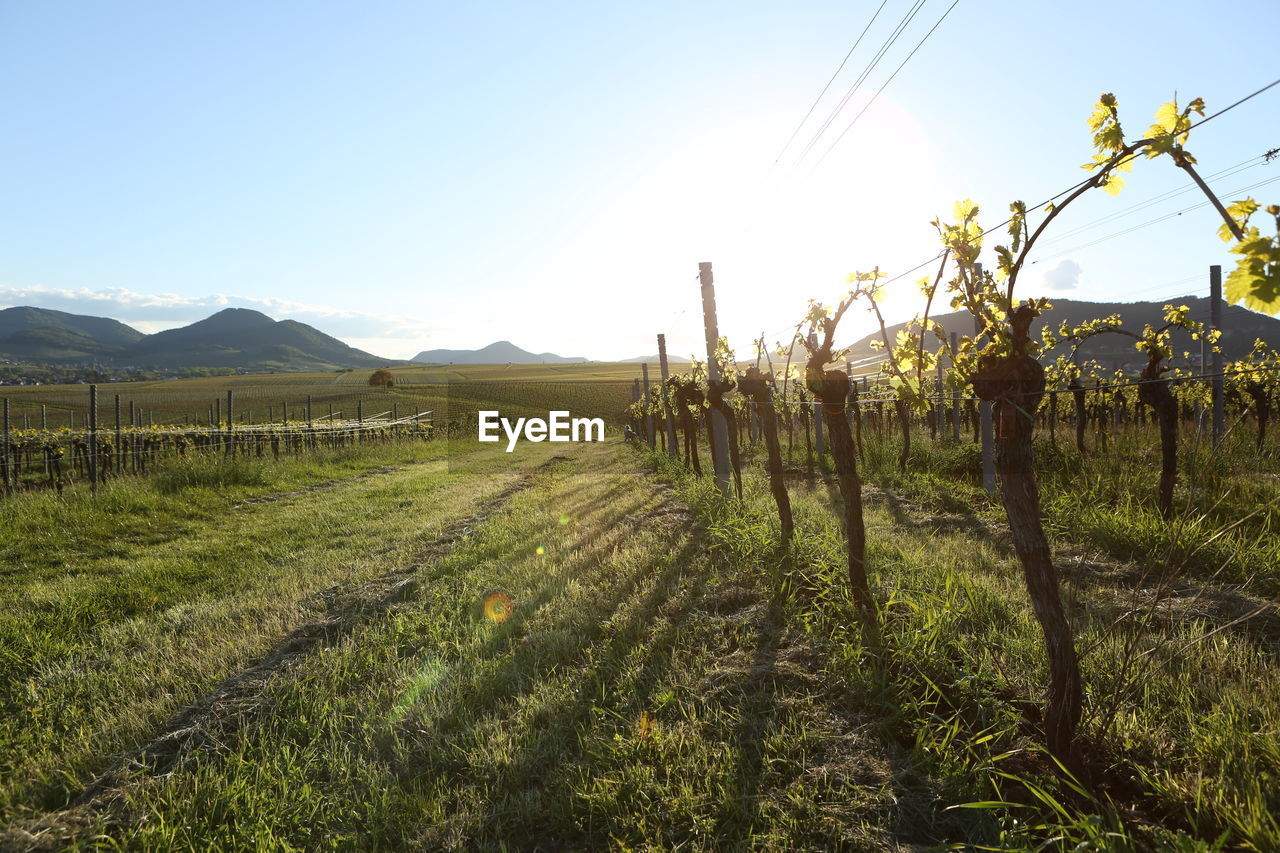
x,y
382,378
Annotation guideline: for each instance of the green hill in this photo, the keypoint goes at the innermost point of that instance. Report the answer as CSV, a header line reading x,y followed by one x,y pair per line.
x,y
1241,327
235,337
242,338
41,334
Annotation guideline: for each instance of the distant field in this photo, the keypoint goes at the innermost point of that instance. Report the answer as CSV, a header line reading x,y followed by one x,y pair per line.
x,y
597,389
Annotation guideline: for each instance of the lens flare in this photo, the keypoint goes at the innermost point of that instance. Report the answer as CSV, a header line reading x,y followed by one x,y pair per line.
x,y
428,677
498,606
539,550
564,519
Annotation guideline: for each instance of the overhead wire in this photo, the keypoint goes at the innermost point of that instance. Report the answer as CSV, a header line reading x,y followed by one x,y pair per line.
x,y
1080,184
818,99
866,72
1252,162
867,106
1223,173
1150,222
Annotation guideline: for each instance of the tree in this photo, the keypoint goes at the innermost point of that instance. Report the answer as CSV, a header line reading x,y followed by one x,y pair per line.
x,y
382,378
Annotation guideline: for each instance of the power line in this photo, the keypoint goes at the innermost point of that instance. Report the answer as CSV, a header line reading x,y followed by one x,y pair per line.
x,y
818,99
867,106
1080,184
1224,173
1168,284
1259,160
1158,219
875,60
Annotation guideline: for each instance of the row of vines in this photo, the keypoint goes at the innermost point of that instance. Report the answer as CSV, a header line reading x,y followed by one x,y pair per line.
x,y
1032,384
55,457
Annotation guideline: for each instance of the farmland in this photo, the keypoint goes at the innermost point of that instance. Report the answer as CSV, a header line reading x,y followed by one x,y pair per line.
x,y
226,654
260,397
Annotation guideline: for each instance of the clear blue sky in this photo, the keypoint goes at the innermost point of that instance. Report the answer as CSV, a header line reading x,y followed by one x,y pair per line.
x,y
420,175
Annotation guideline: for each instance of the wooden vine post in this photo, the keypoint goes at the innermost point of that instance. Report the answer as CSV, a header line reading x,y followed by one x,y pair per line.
x,y
231,441
648,413
955,394
93,439
715,399
673,448
717,432
819,439
5,458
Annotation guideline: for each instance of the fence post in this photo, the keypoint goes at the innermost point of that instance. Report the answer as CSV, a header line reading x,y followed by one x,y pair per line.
x,y
133,441
119,460
942,400
719,429
231,441
635,395
1215,322
648,415
666,402
6,446
955,394
44,417
92,439
815,413
984,414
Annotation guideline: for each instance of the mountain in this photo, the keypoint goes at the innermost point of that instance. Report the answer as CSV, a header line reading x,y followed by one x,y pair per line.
x,y
92,332
235,337
243,338
653,359
1240,328
500,352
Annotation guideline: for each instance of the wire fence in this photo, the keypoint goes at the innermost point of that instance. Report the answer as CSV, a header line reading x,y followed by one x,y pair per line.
x,y
54,436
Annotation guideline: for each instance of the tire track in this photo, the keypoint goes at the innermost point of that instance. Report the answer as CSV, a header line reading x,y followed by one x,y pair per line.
x,y
322,486
216,719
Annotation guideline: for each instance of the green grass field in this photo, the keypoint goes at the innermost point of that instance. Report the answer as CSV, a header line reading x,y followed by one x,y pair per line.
x,y
603,389
295,654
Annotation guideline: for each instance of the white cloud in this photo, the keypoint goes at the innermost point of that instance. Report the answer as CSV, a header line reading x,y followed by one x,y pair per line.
x,y
152,312
1067,275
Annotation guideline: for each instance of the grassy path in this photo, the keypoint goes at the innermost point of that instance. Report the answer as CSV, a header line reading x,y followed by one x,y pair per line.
x,y
637,697
94,658
662,680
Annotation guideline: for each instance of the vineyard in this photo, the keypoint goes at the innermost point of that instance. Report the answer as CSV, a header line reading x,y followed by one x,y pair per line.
x,y
1181,445
54,436
976,591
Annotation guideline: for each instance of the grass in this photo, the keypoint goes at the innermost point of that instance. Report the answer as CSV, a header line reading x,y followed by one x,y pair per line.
x,y
1182,728
597,389
138,603
668,678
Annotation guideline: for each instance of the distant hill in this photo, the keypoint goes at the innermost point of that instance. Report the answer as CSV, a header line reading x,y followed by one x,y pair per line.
x,y
41,334
500,352
235,337
653,359
1241,327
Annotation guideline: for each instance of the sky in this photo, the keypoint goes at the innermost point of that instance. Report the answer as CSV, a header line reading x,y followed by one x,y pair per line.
x,y
421,175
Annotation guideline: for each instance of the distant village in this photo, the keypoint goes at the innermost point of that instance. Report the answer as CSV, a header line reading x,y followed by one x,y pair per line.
x,y
28,373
